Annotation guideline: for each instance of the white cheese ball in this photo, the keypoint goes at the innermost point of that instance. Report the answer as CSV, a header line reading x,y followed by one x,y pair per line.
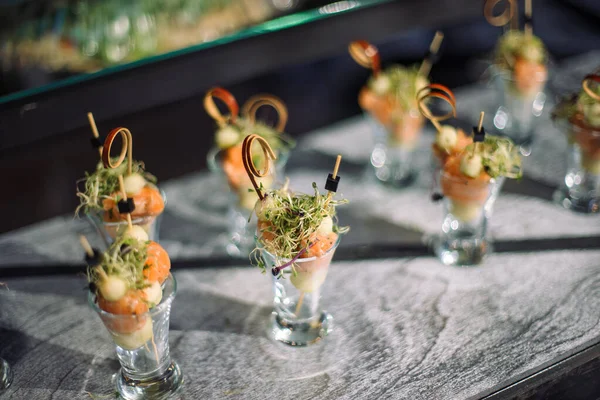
x,y
112,288
421,82
227,137
381,84
134,184
153,294
326,227
471,165
446,138
591,113
262,206
134,340
136,232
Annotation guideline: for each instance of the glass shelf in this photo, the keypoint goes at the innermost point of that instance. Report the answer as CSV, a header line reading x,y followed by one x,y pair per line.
x,y
84,40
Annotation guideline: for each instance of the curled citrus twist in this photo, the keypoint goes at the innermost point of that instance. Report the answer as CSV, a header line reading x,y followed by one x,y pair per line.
x,y
251,169
126,150
440,92
257,101
226,97
587,81
366,55
503,18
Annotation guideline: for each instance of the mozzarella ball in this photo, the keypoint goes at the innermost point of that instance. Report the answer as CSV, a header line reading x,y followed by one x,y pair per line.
x,y
446,139
136,232
381,84
113,288
592,114
227,137
421,82
326,227
153,294
134,340
471,165
134,184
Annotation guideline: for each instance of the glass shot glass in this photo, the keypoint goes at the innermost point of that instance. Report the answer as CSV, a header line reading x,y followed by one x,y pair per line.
x,y
520,104
142,346
392,157
580,190
298,319
241,198
468,205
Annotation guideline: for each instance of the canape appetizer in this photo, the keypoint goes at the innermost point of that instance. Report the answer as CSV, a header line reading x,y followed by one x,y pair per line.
x,y
582,112
101,192
524,57
520,54
448,141
293,226
466,176
232,130
126,281
390,95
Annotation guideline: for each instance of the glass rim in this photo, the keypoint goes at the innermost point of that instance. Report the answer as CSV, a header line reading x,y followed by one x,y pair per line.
x,y
577,120
164,302
299,260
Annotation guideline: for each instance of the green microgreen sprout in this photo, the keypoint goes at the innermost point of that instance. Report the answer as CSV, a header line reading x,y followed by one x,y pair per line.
x,y
500,156
291,221
125,259
103,184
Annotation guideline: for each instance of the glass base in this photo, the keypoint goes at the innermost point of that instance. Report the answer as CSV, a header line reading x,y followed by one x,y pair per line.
x,y
301,333
461,252
6,375
156,388
584,204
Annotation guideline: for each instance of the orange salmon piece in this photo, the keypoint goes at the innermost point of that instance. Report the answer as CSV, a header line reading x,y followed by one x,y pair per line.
x,y
130,312
158,263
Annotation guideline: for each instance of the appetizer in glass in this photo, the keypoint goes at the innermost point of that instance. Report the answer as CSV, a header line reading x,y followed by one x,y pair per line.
x,y
226,158
132,290
520,68
389,100
100,196
579,117
296,238
470,182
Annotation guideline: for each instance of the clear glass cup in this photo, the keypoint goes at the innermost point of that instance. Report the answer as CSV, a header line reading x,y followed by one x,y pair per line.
x,y
108,230
6,375
241,202
298,319
142,345
468,205
580,190
392,157
518,109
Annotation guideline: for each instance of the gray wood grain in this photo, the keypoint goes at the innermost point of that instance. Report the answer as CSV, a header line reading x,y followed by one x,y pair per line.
x,y
405,329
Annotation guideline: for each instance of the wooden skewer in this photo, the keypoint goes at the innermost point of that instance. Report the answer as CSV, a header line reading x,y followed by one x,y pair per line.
x,y
249,166
479,126
528,11
90,252
94,130
124,194
86,246
336,168
434,47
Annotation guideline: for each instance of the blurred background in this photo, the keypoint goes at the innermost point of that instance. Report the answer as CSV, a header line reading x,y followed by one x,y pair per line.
x,y
145,64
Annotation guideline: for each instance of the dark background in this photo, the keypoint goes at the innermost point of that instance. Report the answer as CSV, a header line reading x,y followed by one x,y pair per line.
x,y
44,139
